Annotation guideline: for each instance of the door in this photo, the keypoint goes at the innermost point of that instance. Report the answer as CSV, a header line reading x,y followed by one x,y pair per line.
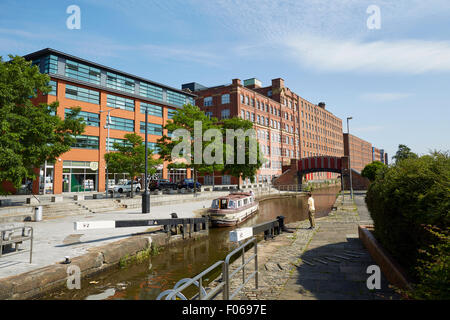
x,y
66,182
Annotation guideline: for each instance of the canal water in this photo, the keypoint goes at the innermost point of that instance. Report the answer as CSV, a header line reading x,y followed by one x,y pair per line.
x,y
145,281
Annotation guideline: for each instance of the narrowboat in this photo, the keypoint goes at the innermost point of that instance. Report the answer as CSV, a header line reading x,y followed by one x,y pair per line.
x,y
232,209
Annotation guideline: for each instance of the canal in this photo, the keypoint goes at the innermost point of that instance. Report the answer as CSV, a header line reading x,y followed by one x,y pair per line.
x,y
145,281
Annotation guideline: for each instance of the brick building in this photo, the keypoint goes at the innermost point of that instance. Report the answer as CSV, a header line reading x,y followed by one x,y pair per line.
x,y
359,150
97,89
287,125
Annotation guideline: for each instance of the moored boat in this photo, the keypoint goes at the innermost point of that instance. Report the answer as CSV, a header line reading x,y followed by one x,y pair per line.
x,y
232,209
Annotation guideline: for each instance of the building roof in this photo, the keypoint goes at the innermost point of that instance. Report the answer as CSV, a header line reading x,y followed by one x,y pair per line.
x,y
47,51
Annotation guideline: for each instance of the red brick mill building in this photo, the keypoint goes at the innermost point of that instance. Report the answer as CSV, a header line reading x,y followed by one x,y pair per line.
x,y
287,125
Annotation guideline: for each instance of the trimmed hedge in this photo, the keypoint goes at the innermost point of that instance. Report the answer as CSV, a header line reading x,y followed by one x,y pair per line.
x,y
402,200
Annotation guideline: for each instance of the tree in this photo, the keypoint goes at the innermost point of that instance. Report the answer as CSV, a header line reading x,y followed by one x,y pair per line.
x,y
29,134
403,153
130,158
196,141
253,159
370,170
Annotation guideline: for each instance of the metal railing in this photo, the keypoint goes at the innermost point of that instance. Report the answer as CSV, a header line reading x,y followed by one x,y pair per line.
x,y
224,285
269,228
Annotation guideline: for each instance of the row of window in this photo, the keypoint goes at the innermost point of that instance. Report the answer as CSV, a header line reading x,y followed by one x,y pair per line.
x,y
92,142
87,73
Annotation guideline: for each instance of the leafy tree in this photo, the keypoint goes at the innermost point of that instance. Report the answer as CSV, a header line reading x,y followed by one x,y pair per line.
x,y
404,152
171,149
370,170
29,134
245,169
130,158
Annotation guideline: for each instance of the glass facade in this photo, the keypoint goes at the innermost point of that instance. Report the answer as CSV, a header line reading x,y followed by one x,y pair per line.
x,y
152,109
91,119
82,72
50,64
86,142
119,82
122,124
153,128
151,91
171,113
114,140
113,101
176,98
79,177
54,86
82,94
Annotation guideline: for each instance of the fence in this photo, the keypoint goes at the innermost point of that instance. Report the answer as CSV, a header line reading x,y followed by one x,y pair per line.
x,y
270,229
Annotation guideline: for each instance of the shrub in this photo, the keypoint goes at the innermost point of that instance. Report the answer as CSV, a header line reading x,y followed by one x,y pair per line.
x,y
370,170
404,197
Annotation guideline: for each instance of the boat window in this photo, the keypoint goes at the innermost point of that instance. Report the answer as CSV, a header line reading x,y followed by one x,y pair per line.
x,y
239,203
223,204
215,204
232,204
245,201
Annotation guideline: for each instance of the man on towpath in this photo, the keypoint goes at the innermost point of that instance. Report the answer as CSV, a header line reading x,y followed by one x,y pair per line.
x,y
311,210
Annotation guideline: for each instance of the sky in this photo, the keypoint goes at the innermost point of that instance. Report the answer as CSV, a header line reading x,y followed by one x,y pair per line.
x,y
393,80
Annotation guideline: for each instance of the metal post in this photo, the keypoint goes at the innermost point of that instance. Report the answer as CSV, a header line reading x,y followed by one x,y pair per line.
x,y
146,195
349,165
107,151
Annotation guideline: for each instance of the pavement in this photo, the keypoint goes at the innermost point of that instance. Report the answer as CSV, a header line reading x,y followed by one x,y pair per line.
x,y
326,263
55,238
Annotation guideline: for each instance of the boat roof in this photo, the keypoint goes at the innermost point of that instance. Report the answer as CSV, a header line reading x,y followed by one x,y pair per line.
x,y
235,196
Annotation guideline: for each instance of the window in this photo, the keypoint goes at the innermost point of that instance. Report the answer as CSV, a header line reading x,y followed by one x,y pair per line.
x,y
153,128
119,102
247,115
89,118
82,72
269,93
54,86
150,91
171,113
225,114
225,98
153,110
86,142
110,146
119,82
152,146
242,98
82,94
247,100
176,98
50,64
242,114
209,114
122,124
207,101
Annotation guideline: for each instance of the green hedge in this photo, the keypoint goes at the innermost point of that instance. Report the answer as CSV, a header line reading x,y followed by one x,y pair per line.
x,y
402,200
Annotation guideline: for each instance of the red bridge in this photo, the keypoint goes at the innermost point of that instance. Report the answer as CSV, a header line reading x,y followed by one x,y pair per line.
x,y
304,168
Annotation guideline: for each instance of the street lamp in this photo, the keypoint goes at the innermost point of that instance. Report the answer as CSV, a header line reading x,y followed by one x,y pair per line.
x,y
146,194
108,123
349,165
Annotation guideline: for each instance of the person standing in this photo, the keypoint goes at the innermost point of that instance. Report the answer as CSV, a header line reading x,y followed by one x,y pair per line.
x,y
311,210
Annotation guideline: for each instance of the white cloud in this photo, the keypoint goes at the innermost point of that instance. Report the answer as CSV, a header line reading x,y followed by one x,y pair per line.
x,y
404,56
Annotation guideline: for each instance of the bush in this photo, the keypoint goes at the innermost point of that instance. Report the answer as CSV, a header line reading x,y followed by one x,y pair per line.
x,y
404,197
370,170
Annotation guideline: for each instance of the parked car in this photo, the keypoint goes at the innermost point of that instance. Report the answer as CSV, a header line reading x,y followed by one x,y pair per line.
x,y
188,183
162,184
127,187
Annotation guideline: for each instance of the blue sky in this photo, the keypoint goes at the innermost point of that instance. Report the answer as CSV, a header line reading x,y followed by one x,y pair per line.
x,y
394,81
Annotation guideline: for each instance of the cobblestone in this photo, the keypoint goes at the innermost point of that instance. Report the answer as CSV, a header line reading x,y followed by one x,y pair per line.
x,y
328,262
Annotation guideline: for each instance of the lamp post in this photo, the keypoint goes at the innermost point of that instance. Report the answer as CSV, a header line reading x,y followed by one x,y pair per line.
x,y
146,194
349,152
108,122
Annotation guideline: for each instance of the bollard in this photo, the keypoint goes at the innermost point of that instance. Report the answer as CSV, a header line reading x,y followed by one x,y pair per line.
x,y
38,213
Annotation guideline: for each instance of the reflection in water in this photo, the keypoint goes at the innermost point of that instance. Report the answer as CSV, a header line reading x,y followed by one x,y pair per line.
x,y
147,280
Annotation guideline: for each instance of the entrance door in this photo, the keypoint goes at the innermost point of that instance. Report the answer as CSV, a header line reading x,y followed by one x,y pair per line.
x,y
66,182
